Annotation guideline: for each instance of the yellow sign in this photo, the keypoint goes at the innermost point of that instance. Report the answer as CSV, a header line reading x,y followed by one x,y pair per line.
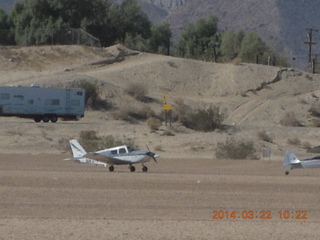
x,y
167,107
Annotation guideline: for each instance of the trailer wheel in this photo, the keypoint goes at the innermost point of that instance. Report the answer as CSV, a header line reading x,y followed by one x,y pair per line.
x,y
37,119
54,118
45,118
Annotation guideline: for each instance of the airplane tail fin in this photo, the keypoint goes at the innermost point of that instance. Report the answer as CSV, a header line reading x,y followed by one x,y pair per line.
x,y
77,149
290,159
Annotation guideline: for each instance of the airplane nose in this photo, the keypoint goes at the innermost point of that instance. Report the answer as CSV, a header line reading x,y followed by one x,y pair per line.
x,y
151,154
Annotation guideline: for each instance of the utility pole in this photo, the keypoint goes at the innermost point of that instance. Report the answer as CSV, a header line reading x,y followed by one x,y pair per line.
x,y
310,43
314,62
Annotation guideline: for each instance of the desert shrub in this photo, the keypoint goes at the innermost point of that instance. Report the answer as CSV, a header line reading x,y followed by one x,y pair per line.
x,y
306,145
143,113
233,149
168,132
172,64
137,90
123,113
88,135
315,122
204,120
91,142
290,120
92,98
309,77
237,61
154,123
181,110
63,144
294,141
262,135
131,114
315,110
158,148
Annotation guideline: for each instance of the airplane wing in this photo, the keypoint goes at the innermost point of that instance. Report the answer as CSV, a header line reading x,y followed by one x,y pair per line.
x,y
87,160
107,159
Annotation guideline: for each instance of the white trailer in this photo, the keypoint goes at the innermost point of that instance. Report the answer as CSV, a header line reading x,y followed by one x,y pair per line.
x,y
42,103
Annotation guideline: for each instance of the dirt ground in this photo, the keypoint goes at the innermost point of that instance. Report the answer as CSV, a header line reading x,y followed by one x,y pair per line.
x,y
44,197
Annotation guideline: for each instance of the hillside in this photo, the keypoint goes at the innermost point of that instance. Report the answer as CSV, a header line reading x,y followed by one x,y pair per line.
x,y
282,25
253,98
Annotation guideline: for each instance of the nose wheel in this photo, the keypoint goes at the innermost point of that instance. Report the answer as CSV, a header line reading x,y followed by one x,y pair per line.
x,y
144,169
111,168
287,172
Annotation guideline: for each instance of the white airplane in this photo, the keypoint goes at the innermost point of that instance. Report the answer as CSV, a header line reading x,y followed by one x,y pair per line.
x,y
291,161
120,155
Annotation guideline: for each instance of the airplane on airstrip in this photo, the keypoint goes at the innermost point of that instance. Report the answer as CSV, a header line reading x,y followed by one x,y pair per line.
x,y
120,155
291,161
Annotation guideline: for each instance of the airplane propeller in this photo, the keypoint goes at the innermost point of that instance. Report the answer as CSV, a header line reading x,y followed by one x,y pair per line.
x,y
151,154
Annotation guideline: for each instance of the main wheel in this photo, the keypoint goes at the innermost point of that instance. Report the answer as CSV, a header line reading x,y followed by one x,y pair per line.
x,y
111,168
144,169
132,168
37,119
287,172
45,118
54,118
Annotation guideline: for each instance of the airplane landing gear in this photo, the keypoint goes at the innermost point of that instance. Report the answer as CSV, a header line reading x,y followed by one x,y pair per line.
x,y
144,169
111,168
287,172
132,168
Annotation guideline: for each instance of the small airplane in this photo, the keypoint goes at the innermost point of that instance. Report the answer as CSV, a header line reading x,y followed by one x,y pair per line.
x,y
119,155
291,161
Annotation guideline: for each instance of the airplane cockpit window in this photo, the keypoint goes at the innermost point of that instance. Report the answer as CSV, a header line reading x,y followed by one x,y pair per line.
x,y
122,150
114,152
130,149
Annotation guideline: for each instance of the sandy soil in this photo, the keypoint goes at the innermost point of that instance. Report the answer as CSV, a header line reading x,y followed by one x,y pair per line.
x,y
44,197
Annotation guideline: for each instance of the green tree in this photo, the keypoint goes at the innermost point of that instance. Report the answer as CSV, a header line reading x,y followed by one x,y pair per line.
x,y
130,21
5,35
34,20
230,44
252,48
198,40
31,21
248,48
159,41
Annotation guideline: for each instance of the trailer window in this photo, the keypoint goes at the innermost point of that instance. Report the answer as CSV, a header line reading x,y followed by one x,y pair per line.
x,y
75,102
53,102
19,96
5,96
79,93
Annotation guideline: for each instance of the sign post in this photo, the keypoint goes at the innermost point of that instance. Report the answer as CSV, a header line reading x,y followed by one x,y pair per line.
x,y
167,109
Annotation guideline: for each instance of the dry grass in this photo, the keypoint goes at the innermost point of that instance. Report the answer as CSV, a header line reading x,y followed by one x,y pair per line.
x,y
154,123
262,135
137,90
290,120
294,141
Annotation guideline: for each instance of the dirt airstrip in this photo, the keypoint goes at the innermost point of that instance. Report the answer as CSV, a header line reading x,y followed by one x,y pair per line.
x,y
44,197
